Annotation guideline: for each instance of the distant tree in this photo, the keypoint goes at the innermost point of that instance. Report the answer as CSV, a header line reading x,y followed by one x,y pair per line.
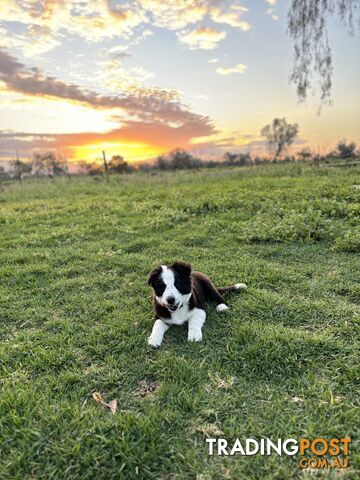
x,y
65,165
48,164
18,168
280,135
346,150
96,169
332,154
162,163
146,167
308,29
305,154
183,159
118,165
83,167
4,175
230,158
178,159
239,159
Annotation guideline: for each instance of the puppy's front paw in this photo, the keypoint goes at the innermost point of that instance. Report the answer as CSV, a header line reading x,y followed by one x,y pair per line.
x,y
221,307
194,335
154,342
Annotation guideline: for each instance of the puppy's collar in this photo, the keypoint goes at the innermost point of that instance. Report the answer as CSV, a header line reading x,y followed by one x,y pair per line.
x,y
187,301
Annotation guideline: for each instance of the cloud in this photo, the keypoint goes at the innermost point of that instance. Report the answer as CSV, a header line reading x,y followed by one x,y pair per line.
x,y
38,40
114,75
239,68
213,60
175,14
119,51
93,20
35,41
205,38
33,82
155,135
98,20
201,96
144,114
231,17
272,10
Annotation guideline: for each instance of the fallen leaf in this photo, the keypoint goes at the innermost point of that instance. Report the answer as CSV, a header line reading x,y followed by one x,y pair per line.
x,y
98,398
223,383
297,400
209,430
112,406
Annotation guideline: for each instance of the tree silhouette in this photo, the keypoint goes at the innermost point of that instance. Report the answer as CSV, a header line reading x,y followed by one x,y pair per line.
x,y
18,168
117,164
346,150
305,154
48,164
280,135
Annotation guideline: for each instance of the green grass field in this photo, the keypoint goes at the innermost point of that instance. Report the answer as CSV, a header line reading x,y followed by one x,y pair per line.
x,y
75,314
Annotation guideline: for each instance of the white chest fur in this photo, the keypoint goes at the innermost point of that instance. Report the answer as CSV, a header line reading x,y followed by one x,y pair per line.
x,y
180,316
195,317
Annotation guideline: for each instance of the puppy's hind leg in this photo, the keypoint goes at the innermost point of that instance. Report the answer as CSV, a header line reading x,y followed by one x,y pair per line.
x,y
213,295
232,288
221,307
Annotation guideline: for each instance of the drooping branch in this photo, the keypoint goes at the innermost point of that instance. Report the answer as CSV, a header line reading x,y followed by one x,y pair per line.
x,y
308,29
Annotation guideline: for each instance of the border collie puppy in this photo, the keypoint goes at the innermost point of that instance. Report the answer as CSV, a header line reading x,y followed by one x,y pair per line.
x,y
180,295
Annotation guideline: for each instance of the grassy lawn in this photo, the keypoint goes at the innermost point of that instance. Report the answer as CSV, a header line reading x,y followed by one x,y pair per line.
x,y
75,314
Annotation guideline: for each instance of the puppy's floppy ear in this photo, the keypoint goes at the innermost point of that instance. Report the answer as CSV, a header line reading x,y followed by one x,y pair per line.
x,y
183,268
153,274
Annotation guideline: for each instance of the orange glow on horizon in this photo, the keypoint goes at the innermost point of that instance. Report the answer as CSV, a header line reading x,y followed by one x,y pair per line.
x,y
131,152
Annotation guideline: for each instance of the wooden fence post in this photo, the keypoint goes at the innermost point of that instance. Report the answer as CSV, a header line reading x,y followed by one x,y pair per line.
x,y
18,166
105,166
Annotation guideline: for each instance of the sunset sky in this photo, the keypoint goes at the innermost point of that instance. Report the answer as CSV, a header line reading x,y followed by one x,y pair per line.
x,y
140,78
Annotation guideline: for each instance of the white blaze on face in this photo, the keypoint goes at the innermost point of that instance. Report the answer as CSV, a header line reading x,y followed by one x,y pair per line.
x,y
168,278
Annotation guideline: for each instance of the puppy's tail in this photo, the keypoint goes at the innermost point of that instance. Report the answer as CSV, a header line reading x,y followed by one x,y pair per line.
x,y
232,288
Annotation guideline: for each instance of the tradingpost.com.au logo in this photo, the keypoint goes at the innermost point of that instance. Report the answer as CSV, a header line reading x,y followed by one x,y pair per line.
x,y
317,453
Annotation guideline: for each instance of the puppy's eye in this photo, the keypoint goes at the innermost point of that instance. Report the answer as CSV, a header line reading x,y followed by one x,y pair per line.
x,y
159,287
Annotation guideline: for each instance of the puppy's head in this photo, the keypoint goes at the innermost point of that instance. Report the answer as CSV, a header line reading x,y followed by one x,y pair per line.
x,y
171,284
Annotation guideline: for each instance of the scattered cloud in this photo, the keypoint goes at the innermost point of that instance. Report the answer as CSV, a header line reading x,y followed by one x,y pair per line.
x,y
38,40
232,17
213,60
91,20
113,75
205,38
175,14
239,68
119,51
272,14
272,10
201,96
98,20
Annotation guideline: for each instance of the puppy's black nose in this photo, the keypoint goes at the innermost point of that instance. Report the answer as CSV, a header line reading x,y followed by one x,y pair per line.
x,y
170,300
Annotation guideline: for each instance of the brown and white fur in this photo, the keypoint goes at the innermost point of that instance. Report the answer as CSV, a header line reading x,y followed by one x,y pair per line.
x,y
180,295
